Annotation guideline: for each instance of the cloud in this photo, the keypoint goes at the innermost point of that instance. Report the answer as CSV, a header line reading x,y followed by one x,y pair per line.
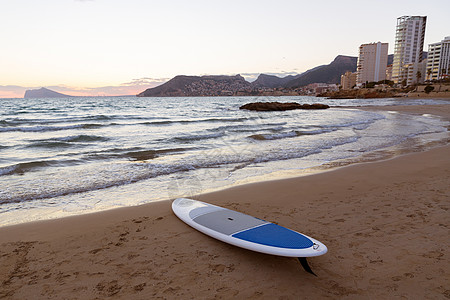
x,y
283,73
12,91
250,76
253,76
146,81
135,86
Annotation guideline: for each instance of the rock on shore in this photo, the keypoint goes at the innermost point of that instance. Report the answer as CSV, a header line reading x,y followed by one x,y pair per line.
x,y
360,94
280,106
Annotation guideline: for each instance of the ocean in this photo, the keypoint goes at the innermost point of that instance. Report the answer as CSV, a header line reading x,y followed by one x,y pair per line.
x,y
68,156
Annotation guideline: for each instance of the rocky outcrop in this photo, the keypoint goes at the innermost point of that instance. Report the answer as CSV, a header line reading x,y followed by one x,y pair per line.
x,y
43,93
360,94
280,106
315,106
195,86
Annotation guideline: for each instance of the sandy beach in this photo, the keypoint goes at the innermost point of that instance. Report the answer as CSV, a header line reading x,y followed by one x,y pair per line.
x,y
385,223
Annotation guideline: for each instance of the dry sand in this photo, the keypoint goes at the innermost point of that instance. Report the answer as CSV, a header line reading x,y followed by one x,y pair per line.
x,y
386,225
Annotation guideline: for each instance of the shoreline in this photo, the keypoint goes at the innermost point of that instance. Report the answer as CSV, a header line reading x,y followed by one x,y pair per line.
x,y
12,216
383,223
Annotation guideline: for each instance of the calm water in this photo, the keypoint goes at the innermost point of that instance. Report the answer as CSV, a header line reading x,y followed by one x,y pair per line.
x,y
68,156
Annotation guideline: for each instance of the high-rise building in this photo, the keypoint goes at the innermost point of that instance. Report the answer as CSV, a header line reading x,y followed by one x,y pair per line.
x,y
409,40
438,65
415,72
389,72
348,80
372,62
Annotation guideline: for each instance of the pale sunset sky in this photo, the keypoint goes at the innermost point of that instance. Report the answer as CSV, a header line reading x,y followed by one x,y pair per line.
x,y
122,47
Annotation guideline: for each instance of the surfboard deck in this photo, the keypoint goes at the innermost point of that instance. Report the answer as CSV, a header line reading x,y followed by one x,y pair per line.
x,y
245,231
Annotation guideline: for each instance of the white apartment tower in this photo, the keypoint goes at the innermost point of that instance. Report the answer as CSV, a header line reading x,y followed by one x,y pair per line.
x,y
438,64
372,62
408,51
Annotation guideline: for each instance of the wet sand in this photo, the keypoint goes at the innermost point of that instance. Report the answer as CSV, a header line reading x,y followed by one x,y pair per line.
x,y
385,223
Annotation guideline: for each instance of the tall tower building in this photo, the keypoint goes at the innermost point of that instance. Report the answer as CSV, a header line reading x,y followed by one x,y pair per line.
x,y
438,65
372,62
409,40
348,80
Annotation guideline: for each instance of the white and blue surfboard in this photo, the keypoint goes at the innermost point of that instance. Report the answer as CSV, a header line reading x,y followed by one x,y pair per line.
x,y
247,232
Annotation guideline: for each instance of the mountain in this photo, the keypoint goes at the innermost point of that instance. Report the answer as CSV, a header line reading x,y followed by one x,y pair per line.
x,y
272,81
191,86
43,93
330,73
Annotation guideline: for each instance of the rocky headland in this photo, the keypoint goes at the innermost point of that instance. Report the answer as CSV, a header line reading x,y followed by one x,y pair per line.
x,y
43,93
195,86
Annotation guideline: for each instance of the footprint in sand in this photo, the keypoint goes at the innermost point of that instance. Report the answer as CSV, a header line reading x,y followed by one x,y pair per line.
x,y
108,288
139,287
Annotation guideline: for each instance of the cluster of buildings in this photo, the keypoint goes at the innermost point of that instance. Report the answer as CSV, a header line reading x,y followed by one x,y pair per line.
x,y
318,88
409,65
212,87
438,61
232,87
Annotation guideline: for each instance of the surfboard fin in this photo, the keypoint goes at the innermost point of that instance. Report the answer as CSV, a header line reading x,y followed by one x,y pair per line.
x,y
305,265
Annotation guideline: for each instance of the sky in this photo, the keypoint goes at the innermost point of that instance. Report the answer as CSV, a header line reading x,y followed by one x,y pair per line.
x,y
122,47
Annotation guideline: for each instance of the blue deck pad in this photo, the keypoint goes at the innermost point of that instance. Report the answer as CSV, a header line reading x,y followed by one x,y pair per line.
x,y
276,236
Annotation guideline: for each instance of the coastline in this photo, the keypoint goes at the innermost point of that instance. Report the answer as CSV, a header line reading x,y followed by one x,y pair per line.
x,y
442,111
372,93
383,222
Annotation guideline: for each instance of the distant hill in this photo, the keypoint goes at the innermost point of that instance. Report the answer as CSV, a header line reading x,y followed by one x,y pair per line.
x,y
191,86
236,85
43,93
272,81
330,73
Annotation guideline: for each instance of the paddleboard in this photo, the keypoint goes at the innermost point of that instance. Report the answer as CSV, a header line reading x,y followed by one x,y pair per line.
x,y
245,231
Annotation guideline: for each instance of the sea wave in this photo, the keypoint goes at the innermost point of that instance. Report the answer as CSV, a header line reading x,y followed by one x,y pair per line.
x,y
15,122
359,124
97,143
112,175
193,121
150,154
240,128
198,137
42,128
118,174
66,142
289,134
50,144
83,138
132,154
21,168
